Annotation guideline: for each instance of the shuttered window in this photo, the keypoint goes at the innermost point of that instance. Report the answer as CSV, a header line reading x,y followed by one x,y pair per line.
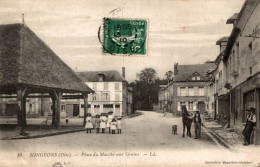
x,y
196,91
190,106
178,106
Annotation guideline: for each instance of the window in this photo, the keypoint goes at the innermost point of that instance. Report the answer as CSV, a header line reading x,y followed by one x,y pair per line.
x,y
94,86
116,86
107,105
82,106
190,106
105,97
183,91
62,107
96,106
190,91
117,106
105,85
117,97
201,91
196,91
195,78
94,96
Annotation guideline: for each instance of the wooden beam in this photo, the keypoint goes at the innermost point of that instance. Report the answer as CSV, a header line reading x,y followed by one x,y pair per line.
x,y
85,97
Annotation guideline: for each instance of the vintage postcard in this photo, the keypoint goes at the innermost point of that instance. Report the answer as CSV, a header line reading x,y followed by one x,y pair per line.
x,y
131,83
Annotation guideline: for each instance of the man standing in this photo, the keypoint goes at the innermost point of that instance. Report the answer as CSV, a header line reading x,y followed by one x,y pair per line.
x,y
197,124
250,123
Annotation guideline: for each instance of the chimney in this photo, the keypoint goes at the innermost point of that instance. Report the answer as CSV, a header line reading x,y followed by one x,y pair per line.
x,y
23,19
123,72
175,68
101,77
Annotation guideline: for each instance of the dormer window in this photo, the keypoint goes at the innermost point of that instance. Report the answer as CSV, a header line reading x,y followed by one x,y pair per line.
x,y
101,77
197,78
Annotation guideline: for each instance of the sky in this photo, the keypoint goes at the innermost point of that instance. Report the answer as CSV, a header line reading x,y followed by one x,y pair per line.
x,y
179,31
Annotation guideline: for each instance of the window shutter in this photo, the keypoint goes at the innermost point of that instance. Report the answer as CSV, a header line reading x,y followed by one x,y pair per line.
x,y
194,105
178,106
205,91
196,91
178,91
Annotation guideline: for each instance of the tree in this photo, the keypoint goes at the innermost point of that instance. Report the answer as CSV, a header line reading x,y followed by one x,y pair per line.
x,y
169,76
146,89
148,75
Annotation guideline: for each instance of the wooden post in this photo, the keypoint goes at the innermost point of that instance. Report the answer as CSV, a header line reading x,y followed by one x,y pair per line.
x,y
54,108
56,98
257,107
85,96
21,116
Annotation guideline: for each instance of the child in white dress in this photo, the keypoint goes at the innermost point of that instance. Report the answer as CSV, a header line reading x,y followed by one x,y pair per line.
x,y
119,125
89,124
103,119
113,126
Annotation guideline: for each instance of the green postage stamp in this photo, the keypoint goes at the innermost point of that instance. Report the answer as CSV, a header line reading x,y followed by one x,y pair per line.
x,y
124,36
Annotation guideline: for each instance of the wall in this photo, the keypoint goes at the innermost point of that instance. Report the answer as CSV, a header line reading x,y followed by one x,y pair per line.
x,y
177,98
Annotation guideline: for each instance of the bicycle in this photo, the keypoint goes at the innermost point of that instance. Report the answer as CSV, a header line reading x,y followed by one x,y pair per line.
x,y
45,124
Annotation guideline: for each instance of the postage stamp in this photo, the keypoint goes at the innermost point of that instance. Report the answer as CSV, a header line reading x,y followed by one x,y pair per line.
x,y
124,36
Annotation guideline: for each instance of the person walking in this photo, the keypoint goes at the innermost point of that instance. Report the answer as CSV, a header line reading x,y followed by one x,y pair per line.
x,y
197,124
250,123
89,124
119,125
103,120
97,123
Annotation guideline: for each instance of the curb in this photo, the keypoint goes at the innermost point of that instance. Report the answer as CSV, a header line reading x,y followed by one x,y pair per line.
x,y
44,135
220,139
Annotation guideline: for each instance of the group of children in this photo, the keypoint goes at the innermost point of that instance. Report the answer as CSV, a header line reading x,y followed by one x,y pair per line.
x,y
104,121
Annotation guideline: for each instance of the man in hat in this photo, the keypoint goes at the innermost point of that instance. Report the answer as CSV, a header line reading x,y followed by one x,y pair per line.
x,y
250,123
197,124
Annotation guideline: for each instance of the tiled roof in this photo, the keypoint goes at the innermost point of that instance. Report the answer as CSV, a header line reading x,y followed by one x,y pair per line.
x,y
25,59
92,76
186,71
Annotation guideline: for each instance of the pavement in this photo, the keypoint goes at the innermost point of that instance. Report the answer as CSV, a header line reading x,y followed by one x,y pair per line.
x,y
227,137
146,140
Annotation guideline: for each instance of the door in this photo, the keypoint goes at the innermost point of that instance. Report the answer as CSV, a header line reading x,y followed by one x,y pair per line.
x,y
69,110
201,107
11,109
75,110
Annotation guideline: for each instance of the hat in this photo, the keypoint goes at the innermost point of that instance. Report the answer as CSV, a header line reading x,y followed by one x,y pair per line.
x,y
248,109
252,109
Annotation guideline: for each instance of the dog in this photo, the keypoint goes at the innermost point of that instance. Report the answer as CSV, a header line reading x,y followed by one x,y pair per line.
x,y
174,129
